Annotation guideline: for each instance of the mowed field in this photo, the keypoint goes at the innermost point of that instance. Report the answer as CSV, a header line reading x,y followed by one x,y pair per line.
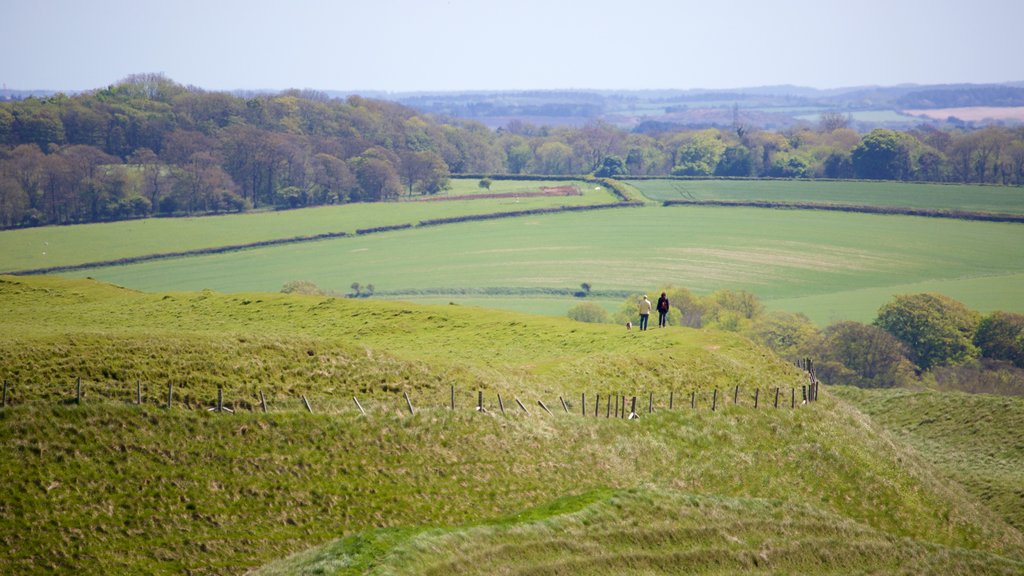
x,y
828,265
961,197
50,246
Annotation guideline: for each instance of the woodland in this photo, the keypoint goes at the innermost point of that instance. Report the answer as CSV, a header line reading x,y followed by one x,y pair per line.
x,y
148,146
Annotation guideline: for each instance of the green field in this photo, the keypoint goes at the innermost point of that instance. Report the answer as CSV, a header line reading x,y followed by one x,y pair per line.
x,y
108,487
970,198
830,266
68,245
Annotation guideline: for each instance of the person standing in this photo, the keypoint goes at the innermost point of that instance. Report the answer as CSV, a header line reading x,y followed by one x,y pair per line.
x,y
662,311
645,312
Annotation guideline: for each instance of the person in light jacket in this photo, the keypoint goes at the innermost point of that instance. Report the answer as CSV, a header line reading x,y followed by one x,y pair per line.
x,y
645,311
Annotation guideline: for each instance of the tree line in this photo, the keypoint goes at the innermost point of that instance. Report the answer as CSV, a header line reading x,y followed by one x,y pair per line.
x,y
148,146
915,339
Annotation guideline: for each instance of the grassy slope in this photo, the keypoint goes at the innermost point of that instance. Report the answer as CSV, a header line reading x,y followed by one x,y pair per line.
x,y
828,265
108,487
65,245
912,195
975,438
645,532
58,329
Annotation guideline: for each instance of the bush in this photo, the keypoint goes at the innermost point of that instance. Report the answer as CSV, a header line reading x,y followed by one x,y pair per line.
x,y
860,355
785,333
938,330
589,312
1000,336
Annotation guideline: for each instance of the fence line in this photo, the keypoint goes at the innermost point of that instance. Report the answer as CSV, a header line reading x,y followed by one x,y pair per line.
x,y
808,394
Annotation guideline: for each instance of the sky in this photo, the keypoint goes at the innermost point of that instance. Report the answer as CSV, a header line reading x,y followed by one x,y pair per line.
x,y
459,45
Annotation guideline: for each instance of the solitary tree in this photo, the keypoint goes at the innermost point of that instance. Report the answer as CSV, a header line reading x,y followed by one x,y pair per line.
x,y
485,184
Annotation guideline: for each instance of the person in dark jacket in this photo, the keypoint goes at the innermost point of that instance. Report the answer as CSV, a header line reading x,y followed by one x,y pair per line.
x,y
662,311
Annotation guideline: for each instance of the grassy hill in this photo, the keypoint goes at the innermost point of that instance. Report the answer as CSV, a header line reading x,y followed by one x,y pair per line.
x,y
974,438
644,531
110,487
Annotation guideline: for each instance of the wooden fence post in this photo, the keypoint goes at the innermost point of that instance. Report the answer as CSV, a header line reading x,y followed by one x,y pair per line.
x,y
138,392
650,404
757,396
583,403
306,402
521,406
714,400
500,403
479,401
78,391
358,405
616,405
671,393
453,396
220,398
541,402
608,408
792,397
736,395
263,402
408,402
632,410
693,399
803,390
597,405
170,394
776,396
564,407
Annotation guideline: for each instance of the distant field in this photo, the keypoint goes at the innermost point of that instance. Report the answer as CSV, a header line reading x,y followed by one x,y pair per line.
x,y
973,113
963,197
829,265
66,245
871,116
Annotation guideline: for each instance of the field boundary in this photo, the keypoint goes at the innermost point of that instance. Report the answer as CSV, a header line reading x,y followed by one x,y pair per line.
x,y
855,208
314,238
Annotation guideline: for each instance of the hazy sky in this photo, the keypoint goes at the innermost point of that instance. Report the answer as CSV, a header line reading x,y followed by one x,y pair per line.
x,y
410,45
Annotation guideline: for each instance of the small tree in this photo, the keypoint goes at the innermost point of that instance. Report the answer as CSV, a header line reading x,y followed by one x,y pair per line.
x,y
586,288
356,289
485,184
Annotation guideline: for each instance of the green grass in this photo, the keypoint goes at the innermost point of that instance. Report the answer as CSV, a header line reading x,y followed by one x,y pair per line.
x,y
58,330
974,438
831,266
971,198
68,245
646,532
108,487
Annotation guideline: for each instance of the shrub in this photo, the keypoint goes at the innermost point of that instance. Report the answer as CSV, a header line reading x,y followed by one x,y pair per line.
x,y
937,329
589,312
1000,336
861,355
